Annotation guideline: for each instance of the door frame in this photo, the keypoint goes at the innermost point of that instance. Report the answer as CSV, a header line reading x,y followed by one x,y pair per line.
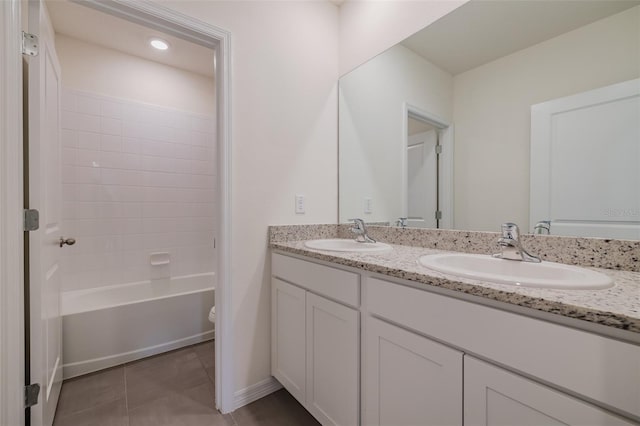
x,y
11,228
446,160
155,16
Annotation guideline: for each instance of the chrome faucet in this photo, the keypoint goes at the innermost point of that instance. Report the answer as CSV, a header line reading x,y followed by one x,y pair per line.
x,y
402,222
361,231
511,246
543,227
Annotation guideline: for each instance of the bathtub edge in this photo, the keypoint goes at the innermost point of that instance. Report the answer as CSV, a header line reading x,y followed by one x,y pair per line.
x,y
80,368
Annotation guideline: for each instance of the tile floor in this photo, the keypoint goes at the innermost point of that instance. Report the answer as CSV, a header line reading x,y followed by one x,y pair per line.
x,y
171,389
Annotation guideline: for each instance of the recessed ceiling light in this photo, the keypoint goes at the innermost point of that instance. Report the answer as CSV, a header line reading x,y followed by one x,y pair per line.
x,y
159,44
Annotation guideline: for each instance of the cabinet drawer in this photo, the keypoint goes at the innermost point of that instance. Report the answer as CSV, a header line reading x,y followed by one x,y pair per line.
x,y
597,367
336,284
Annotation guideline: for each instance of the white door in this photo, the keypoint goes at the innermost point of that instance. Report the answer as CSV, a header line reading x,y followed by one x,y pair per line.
x,y
585,163
422,180
409,379
44,195
332,361
288,337
496,397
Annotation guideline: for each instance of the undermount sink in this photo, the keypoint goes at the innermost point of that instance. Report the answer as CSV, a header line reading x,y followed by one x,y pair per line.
x,y
524,274
339,244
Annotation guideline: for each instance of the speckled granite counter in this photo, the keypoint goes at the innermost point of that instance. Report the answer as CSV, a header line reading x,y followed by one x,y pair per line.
x,y
617,307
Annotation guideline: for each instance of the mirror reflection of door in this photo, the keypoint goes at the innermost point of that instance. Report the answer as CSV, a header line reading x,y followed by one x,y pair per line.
x,y
592,185
425,178
422,175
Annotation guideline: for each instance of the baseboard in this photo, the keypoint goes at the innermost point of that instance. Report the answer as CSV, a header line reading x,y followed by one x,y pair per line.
x,y
89,366
256,391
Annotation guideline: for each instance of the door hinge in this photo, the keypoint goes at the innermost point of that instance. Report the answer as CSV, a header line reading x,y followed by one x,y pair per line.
x,y
29,44
31,393
31,219
438,149
438,215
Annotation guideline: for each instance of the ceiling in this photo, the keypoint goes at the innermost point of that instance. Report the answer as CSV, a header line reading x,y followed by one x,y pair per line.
x,y
481,31
108,31
476,33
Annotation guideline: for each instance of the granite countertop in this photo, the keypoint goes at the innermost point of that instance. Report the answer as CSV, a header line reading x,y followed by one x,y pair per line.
x,y
618,306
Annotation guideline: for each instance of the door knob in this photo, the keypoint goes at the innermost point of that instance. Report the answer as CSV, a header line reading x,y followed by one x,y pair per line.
x,y
67,241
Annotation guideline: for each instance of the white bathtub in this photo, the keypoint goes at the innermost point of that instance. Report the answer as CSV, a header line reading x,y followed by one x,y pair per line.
x,y
108,326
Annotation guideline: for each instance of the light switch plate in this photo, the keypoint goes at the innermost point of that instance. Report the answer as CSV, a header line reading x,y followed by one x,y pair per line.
x,y
368,205
300,204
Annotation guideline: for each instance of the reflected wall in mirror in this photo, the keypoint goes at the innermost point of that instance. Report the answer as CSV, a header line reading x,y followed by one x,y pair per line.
x,y
475,75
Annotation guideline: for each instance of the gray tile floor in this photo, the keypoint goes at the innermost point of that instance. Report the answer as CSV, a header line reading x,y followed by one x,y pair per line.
x,y
172,389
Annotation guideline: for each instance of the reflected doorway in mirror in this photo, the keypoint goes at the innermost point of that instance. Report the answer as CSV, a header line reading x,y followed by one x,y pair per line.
x,y
427,170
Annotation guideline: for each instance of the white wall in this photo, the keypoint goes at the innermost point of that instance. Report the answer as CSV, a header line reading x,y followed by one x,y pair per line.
x,y
100,70
492,112
368,28
138,166
372,120
136,180
284,108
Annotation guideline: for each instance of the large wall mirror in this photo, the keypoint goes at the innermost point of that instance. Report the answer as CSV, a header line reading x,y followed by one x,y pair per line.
x,y
501,111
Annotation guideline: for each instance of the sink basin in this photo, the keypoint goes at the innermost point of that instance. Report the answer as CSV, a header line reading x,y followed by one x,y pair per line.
x,y
347,245
525,274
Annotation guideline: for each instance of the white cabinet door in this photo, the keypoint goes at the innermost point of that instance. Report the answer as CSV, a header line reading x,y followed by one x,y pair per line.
x,y
288,337
496,397
332,361
45,192
410,380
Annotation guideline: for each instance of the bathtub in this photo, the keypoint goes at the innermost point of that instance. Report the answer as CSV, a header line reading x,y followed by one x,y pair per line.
x,y
108,326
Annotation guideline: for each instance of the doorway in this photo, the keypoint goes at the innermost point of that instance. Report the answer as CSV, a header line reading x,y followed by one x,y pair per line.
x,y
427,170
422,175
162,19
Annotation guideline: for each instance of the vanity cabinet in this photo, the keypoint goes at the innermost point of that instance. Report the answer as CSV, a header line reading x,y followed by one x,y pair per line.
x,y
315,351
496,397
436,359
600,369
408,379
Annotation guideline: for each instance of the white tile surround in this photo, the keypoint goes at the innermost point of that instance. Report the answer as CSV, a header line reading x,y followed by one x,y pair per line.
x,y
136,179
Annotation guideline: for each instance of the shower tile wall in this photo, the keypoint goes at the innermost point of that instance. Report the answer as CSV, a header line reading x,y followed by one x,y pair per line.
x,y
137,179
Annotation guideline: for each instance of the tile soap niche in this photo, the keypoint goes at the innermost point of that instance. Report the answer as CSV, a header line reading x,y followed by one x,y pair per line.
x,y
160,258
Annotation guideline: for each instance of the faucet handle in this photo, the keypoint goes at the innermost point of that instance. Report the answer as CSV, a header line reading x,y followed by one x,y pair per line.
x,y
360,230
542,227
358,225
511,246
510,230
